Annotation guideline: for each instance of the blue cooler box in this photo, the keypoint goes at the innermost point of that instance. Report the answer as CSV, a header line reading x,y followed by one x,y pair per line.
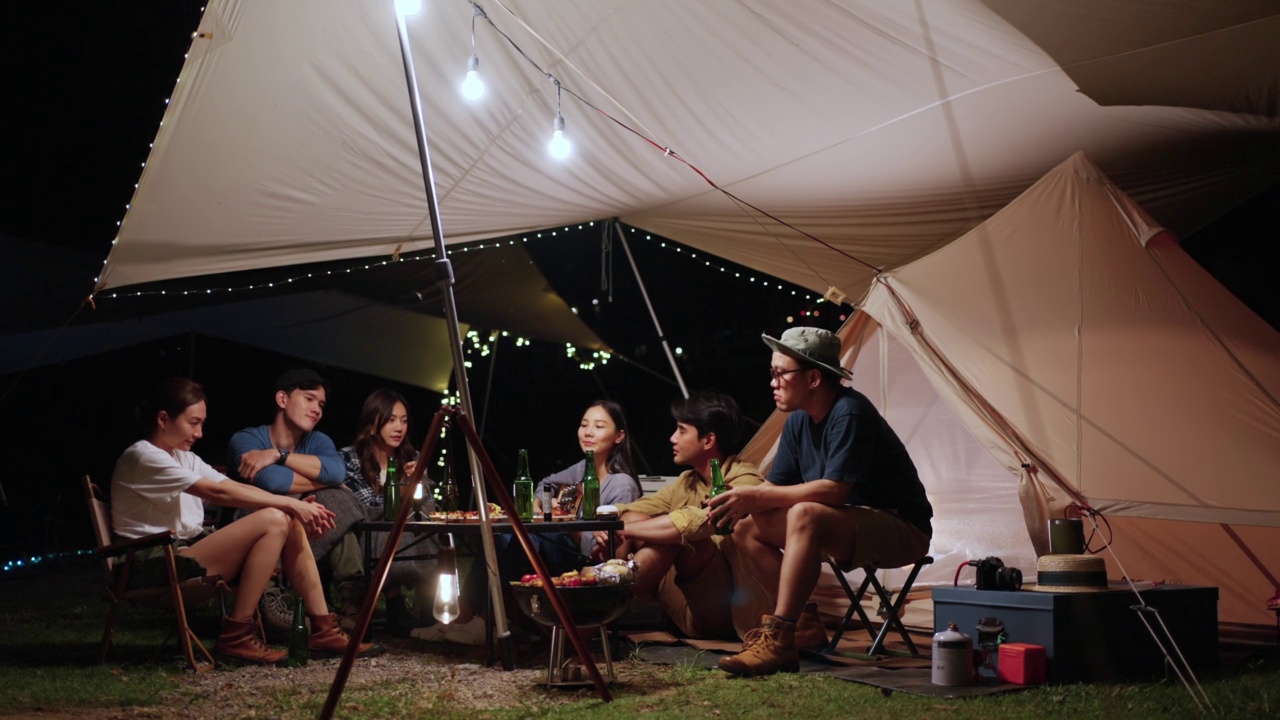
x,y
1092,636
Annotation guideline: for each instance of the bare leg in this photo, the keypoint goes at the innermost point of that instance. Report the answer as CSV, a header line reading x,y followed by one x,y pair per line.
x,y
300,568
760,538
801,563
249,547
653,562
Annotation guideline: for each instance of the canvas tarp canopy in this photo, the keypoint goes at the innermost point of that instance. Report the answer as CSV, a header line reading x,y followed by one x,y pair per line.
x,y
332,314
1075,341
885,129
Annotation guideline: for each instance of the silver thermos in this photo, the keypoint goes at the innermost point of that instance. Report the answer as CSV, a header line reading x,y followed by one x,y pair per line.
x,y
952,657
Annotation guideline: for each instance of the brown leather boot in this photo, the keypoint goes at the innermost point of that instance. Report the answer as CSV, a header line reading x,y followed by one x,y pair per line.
x,y
768,649
240,642
328,638
811,634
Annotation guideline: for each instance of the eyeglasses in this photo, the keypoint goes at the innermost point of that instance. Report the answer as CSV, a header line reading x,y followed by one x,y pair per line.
x,y
777,375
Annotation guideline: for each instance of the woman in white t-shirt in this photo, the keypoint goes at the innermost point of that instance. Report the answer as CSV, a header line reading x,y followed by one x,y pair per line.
x,y
160,485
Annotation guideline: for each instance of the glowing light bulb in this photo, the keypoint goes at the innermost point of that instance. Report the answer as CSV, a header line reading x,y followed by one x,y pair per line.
x,y
446,607
559,147
408,7
473,86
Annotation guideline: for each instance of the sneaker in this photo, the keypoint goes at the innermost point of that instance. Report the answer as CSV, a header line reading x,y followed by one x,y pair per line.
x,y
811,634
433,633
768,649
275,609
471,632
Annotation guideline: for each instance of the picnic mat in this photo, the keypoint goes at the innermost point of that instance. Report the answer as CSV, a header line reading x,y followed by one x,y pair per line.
x,y
910,675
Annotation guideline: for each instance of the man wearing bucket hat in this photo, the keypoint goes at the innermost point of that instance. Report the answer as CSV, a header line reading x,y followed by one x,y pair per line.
x,y
841,485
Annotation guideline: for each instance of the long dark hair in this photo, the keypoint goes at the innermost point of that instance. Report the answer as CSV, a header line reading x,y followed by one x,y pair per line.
x,y
173,397
620,456
376,413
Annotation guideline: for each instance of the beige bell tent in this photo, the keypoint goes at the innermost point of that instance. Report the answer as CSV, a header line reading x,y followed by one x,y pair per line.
x,y
1073,340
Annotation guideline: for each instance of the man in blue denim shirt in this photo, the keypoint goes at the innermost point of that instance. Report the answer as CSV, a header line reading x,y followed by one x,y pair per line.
x,y
291,457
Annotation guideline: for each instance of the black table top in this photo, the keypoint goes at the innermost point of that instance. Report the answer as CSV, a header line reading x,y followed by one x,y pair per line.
x,y
499,525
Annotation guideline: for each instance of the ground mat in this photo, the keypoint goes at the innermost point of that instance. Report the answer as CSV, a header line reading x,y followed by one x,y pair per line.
x,y
915,680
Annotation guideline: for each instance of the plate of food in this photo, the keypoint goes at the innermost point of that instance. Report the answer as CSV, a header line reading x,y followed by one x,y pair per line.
x,y
462,516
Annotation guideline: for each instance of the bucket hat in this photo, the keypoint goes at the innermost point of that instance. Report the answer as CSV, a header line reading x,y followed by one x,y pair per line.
x,y
813,346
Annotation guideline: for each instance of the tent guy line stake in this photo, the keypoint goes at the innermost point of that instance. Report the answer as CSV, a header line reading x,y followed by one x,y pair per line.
x,y
1180,666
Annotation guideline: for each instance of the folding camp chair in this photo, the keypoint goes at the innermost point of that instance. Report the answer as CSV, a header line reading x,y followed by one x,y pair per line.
x,y
890,609
175,594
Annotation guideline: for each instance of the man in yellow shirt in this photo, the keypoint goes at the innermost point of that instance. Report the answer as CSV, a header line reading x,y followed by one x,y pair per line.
x,y
678,554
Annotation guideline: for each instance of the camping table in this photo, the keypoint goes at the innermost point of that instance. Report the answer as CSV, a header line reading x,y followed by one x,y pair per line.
x,y
471,529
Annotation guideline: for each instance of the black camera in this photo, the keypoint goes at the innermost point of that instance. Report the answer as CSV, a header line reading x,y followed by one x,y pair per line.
x,y
993,575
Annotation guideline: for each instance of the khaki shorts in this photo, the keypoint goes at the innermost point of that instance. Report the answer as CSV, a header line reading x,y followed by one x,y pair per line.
x,y
881,538
699,606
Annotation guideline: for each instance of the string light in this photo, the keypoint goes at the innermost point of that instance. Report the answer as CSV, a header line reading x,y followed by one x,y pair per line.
x,y
473,86
408,7
559,147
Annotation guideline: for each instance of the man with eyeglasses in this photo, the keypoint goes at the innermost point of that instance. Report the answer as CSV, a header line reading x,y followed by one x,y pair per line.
x,y
841,484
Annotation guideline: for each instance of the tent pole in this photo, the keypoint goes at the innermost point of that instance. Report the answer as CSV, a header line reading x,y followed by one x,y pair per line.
x,y
671,358
444,278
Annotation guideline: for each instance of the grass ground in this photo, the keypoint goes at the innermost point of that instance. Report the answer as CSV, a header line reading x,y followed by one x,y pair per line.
x,y
50,626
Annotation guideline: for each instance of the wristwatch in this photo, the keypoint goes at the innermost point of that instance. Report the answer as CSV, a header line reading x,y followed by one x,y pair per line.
x,y
284,455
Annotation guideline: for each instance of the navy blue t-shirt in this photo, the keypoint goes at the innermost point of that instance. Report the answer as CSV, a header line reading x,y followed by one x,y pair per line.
x,y
853,444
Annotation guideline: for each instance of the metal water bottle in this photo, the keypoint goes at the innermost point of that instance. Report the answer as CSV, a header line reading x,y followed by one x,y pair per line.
x,y
298,635
952,658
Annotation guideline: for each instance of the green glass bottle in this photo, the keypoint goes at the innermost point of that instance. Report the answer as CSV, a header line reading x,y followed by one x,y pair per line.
x,y
590,488
449,495
298,635
524,488
718,487
391,492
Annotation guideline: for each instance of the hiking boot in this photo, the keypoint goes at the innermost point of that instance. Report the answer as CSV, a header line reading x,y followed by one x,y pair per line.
x,y
328,638
768,649
811,634
241,643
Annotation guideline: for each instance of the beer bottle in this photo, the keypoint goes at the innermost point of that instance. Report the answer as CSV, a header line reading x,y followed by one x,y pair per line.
x,y
590,488
391,492
718,487
524,488
298,635
449,495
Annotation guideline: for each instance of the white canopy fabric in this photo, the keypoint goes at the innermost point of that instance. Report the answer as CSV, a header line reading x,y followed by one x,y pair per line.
x,y
884,129
1096,363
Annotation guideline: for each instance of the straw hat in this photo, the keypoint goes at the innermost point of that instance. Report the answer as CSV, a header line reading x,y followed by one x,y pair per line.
x,y
1070,574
